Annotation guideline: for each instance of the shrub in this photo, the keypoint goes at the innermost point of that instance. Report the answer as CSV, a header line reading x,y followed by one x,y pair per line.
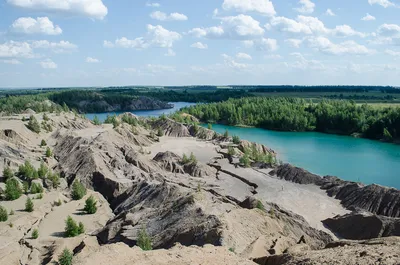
x,y
3,214
195,129
13,190
81,228
231,151
160,132
193,158
7,173
129,119
45,117
90,205
245,160
11,212
226,134
58,203
36,188
48,152
25,186
42,171
209,126
66,257
144,241
39,197
78,190
27,171
152,135
43,143
55,180
35,233
33,124
71,228
236,139
65,107
96,120
29,205
260,205
185,159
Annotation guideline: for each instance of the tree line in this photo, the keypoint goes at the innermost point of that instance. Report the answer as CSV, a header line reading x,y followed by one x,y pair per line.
x,y
293,114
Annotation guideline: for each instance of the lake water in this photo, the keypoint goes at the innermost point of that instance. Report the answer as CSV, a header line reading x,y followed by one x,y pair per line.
x,y
143,113
323,154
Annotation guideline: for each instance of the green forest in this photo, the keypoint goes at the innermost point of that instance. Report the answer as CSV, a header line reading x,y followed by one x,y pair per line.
x,y
292,114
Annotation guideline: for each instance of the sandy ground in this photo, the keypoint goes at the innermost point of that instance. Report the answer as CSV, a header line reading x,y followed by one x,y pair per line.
x,y
306,200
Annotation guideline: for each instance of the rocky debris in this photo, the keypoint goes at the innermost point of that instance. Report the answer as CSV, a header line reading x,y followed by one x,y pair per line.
x,y
171,127
170,162
11,136
199,170
363,225
376,251
202,133
179,255
246,145
249,203
373,198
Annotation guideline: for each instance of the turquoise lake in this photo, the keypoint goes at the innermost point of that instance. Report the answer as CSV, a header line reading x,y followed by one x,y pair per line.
x,y
323,154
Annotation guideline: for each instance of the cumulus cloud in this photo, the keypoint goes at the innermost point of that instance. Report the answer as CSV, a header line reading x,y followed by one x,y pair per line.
x,y
231,63
389,30
306,7
262,44
156,36
40,25
48,64
384,3
158,15
92,60
368,17
392,53
90,8
264,7
231,27
199,45
243,56
330,13
295,43
346,31
170,53
324,45
152,4
303,64
57,47
16,49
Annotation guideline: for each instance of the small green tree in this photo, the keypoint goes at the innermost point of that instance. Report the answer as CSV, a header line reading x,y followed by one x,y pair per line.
x,y
144,240
43,143
193,158
25,186
226,134
195,129
81,228
55,180
13,190
160,132
66,257
231,151
33,124
96,120
90,205
7,173
42,171
209,126
245,160
45,117
3,214
185,159
27,171
387,136
29,205
71,228
48,152
36,188
78,190
236,139
65,107
35,233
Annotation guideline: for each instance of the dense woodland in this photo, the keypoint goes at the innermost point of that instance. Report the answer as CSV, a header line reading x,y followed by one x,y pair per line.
x,y
291,114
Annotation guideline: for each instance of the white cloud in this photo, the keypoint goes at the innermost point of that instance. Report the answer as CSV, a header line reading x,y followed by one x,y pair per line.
x,y
384,3
392,53
199,45
273,56
307,7
48,64
232,27
264,7
170,53
152,4
244,56
330,13
346,31
324,45
295,43
368,17
156,36
92,60
263,44
41,25
11,61
157,68
158,15
91,8
389,30
16,49
303,64
231,63
57,47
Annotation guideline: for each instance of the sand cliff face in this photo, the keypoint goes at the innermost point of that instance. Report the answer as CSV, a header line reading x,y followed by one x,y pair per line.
x,y
200,211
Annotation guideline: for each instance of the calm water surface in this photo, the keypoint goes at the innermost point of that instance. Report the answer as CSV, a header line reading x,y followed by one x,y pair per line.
x,y
324,154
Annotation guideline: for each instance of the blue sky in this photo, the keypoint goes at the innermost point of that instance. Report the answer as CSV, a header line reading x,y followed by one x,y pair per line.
x,y
52,43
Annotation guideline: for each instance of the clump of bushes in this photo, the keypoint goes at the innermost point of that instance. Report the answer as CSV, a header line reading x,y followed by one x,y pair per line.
x,y
35,233
7,173
245,160
260,205
96,120
90,205
144,240
27,171
66,257
33,124
72,229
55,179
160,132
78,190
13,190
231,151
3,214
48,152
29,205
236,139
43,143
42,171
189,160
36,188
